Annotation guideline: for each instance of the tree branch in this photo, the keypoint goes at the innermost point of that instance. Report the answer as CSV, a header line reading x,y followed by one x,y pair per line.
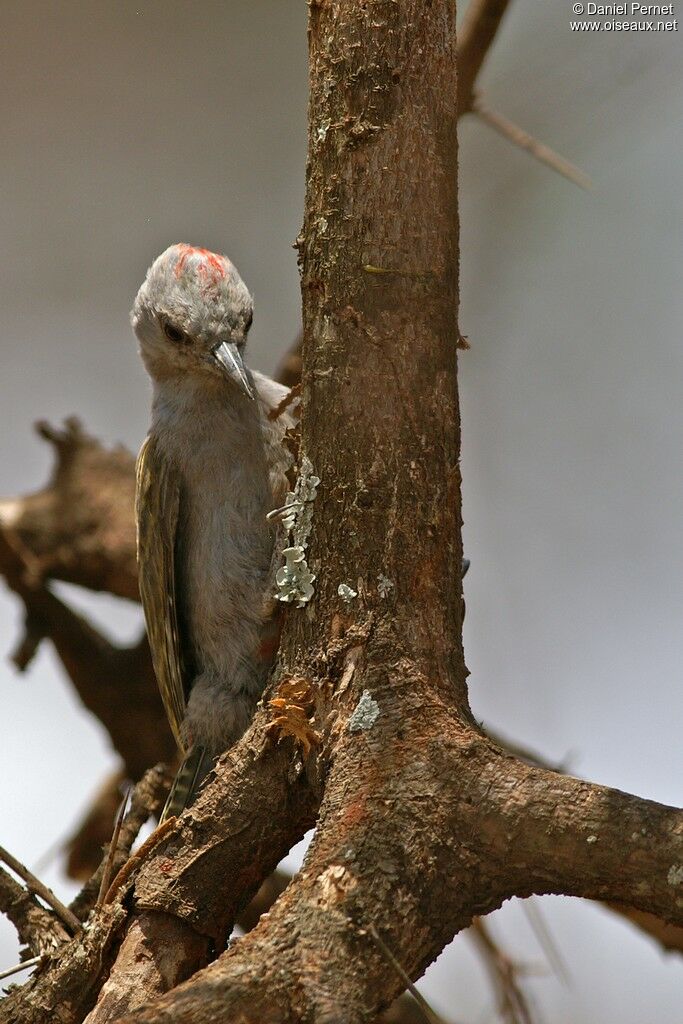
x,y
37,928
564,835
477,33
132,714
80,527
504,973
67,916
63,988
190,888
668,936
494,828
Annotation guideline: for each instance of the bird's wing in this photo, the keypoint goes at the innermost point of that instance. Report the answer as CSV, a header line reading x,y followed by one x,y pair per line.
x,y
157,503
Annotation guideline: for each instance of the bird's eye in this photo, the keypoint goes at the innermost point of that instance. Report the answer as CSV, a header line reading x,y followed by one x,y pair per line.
x,y
247,322
174,334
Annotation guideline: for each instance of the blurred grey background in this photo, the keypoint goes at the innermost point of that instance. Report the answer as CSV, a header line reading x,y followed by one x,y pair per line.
x,y
127,126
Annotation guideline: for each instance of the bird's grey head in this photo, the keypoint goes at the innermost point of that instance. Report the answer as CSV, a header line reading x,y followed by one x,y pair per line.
x,y
192,315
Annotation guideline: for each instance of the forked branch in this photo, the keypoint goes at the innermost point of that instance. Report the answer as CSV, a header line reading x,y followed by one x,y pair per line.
x,y
492,828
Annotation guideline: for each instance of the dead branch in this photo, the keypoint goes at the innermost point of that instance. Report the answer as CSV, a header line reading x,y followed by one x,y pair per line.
x,y
62,988
132,713
23,966
84,846
36,927
115,684
34,884
80,527
108,869
668,936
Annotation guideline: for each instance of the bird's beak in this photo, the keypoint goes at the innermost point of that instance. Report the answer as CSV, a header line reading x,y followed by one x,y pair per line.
x,y
229,358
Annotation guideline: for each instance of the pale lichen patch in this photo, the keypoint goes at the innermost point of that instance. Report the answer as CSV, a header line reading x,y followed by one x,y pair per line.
x,y
365,714
592,839
675,874
294,579
322,130
346,592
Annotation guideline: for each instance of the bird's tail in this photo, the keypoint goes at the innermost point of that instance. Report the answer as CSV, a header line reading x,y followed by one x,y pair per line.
x,y
186,783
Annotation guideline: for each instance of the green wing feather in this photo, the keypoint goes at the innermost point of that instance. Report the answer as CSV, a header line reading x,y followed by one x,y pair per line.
x,y
157,504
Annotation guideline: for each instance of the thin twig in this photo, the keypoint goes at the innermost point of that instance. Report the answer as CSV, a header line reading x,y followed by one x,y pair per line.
x,y
475,38
292,395
430,1016
37,927
503,971
518,137
111,852
147,798
36,886
33,962
545,939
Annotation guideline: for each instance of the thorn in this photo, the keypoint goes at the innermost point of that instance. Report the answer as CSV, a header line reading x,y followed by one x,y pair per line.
x,y
545,940
24,966
429,1015
113,846
518,137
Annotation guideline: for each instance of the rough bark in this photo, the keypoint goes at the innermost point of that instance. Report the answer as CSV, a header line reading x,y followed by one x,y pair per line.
x,y
36,926
401,813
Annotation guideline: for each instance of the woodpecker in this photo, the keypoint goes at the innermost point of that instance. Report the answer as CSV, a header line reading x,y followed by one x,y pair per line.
x,y
211,468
